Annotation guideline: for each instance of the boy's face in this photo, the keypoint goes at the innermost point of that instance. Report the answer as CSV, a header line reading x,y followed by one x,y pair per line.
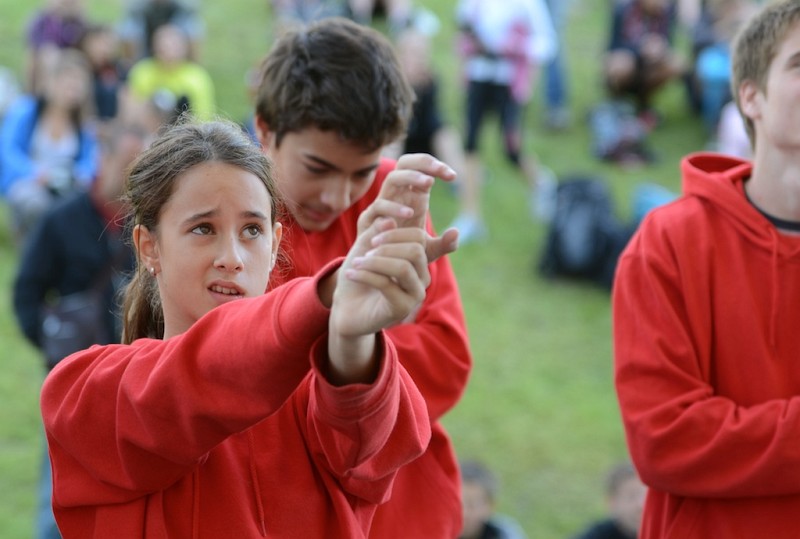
x,y
775,112
319,175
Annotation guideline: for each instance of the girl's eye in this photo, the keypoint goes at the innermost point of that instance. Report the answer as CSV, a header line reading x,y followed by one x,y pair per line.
x,y
252,231
202,230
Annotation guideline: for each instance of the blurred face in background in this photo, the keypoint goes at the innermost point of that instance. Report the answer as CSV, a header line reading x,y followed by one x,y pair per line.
x,y
170,44
654,7
67,7
478,509
413,53
627,503
67,81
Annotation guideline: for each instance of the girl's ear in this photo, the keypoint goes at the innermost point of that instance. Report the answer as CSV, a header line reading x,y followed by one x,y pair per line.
x,y
147,248
277,234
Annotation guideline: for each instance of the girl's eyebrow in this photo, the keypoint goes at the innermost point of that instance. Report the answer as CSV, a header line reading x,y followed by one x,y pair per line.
x,y
247,214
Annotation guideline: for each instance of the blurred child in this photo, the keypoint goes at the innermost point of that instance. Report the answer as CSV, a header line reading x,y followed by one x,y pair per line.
x,y
48,144
427,131
60,24
625,495
479,496
101,47
171,69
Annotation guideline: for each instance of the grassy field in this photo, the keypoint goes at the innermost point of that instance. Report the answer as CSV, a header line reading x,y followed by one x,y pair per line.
x,y
540,407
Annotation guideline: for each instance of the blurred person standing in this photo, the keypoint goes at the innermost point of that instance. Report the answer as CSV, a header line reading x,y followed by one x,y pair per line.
x,y
101,47
427,132
556,79
60,24
503,45
75,248
48,144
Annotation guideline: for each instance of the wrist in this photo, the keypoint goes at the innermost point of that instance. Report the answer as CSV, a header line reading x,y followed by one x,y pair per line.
x,y
352,360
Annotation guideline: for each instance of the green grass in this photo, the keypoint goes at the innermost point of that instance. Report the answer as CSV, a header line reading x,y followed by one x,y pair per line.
x,y
540,407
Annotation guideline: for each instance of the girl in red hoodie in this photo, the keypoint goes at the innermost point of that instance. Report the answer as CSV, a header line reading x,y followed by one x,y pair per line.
x,y
228,412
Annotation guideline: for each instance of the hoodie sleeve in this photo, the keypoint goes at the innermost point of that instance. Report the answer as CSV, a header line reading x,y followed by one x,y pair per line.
x,y
364,433
131,419
686,436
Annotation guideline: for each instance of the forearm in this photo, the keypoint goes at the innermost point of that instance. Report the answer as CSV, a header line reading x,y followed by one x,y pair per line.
x,y
687,433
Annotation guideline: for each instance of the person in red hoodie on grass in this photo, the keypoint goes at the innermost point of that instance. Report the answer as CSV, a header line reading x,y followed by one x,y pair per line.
x,y
704,308
331,98
228,412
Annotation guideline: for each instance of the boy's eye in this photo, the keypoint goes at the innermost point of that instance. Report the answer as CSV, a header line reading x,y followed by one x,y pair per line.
x,y
202,230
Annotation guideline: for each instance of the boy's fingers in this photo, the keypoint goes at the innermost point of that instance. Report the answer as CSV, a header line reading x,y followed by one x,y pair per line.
x,y
440,246
427,164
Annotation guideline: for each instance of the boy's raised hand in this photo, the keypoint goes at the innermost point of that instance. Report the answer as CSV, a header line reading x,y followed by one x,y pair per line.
x,y
405,197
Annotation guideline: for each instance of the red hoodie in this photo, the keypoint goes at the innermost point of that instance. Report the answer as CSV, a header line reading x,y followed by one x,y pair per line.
x,y
705,343
228,430
426,501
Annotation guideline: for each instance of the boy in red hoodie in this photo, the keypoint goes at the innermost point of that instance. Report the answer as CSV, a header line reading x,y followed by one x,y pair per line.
x,y
331,98
704,327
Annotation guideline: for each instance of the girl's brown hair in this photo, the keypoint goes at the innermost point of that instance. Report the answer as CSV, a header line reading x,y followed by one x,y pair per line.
x,y
150,185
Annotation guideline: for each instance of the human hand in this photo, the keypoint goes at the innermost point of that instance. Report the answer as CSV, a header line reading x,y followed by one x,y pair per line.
x,y
381,282
405,197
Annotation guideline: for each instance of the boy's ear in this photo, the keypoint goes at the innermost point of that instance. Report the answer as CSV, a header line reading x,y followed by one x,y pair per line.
x,y
750,99
265,136
147,248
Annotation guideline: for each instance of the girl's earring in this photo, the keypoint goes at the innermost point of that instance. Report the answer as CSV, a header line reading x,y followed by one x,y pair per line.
x,y
153,271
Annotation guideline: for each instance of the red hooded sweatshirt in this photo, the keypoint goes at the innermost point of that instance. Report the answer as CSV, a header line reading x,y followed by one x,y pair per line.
x,y
426,501
706,339
228,430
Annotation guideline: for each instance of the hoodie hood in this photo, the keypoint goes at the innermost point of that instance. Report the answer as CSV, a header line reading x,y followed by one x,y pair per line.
x,y
719,181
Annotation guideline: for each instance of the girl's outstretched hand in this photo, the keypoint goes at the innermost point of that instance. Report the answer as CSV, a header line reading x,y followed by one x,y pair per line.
x,y
382,281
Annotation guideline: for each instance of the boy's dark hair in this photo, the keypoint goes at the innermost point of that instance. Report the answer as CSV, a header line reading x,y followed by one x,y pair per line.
x,y
335,75
477,473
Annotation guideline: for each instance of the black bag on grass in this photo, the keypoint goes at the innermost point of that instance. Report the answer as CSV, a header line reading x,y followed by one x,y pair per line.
x,y
585,237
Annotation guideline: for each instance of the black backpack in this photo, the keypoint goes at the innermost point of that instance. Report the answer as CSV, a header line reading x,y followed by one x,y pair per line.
x,y
617,133
585,237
